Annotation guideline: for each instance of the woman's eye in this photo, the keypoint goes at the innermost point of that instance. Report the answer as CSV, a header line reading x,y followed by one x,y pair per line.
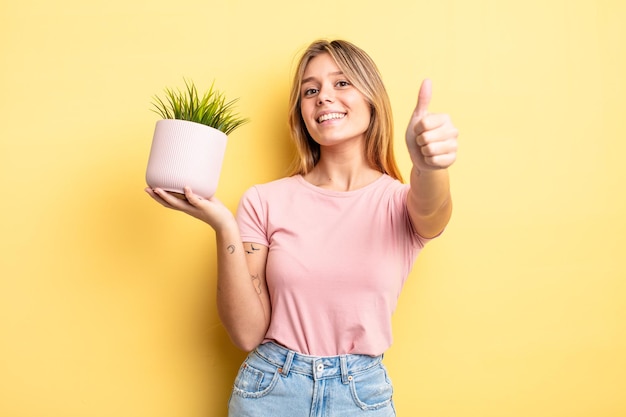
x,y
343,83
310,91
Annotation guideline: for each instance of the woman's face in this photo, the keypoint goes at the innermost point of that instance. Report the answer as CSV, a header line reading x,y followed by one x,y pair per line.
x,y
333,110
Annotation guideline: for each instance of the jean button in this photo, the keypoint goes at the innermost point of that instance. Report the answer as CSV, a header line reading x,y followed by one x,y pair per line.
x,y
320,367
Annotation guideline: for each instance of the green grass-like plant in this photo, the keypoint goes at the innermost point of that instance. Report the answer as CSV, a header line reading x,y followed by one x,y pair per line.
x,y
212,109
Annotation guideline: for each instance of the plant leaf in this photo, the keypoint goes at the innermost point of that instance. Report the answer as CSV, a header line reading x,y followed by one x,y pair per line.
x,y
212,109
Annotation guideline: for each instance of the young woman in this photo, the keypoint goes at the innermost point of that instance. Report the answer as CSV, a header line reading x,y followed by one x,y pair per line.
x,y
310,270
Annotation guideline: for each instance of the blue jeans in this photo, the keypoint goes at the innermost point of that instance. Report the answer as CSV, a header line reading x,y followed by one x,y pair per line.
x,y
274,381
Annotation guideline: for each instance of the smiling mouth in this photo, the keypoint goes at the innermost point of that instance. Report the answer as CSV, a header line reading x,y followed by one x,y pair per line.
x,y
330,116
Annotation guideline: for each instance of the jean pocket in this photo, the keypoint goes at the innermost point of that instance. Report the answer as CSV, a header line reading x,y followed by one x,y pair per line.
x,y
255,381
372,389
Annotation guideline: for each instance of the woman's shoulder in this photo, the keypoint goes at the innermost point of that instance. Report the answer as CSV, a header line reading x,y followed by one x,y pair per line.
x,y
278,187
392,185
280,184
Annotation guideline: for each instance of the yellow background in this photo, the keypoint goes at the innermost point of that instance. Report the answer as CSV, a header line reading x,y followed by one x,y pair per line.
x,y
107,299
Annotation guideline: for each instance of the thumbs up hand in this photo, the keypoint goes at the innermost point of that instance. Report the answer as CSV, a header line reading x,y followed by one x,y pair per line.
x,y
431,138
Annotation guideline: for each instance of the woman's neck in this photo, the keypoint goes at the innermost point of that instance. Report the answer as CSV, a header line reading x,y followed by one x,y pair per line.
x,y
345,174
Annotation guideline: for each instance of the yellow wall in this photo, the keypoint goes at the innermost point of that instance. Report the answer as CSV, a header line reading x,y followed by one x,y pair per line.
x,y
107,299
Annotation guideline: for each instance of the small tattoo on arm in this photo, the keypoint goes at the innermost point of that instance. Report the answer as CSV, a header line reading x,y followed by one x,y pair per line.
x,y
253,249
231,249
256,281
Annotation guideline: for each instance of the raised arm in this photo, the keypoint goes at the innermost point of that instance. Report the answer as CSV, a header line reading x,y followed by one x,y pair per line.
x,y
432,143
243,302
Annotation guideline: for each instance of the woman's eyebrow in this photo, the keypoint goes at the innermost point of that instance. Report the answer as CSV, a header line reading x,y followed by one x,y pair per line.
x,y
308,79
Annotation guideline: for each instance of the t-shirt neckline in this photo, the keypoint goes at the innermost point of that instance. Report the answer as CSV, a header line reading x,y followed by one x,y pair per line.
x,y
336,193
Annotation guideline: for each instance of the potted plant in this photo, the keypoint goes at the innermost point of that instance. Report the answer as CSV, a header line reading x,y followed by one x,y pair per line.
x,y
189,143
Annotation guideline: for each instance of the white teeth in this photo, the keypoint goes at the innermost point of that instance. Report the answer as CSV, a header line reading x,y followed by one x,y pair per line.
x,y
330,116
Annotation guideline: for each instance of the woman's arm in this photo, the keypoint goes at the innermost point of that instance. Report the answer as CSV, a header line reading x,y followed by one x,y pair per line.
x,y
243,302
432,143
242,299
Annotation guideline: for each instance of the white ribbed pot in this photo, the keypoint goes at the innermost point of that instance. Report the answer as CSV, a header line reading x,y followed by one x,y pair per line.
x,y
185,153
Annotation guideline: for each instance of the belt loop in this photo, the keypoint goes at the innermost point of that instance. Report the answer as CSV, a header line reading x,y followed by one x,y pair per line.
x,y
287,365
343,360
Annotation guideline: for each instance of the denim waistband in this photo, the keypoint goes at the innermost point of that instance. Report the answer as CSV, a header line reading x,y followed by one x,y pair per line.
x,y
319,367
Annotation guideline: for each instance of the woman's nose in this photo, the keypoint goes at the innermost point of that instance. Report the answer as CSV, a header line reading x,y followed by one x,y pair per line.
x,y
326,95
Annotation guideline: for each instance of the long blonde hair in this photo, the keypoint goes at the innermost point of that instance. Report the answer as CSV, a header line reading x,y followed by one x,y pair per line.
x,y
362,72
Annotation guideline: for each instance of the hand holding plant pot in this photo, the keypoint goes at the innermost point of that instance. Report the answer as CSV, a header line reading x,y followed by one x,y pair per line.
x,y
189,143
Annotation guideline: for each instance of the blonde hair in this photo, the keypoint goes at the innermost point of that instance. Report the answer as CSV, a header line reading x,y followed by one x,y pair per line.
x,y
362,72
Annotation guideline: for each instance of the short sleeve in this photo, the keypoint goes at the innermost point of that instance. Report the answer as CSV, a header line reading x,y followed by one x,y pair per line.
x,y
400,197
251,218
